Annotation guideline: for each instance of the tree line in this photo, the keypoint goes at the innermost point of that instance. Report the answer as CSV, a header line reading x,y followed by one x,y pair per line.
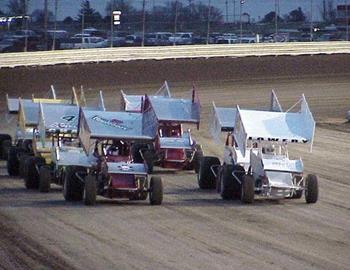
x,y
185,15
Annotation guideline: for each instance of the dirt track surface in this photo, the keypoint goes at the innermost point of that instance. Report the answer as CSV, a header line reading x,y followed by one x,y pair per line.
x,y
195,229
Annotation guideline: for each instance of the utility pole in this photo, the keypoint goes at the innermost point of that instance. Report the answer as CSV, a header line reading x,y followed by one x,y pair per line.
x,y
82,28
45,24
234,11
240,20
311,21
55,26
175,22
347,19
190,5
276,18
112,22
208,26
25,10
143,22
226,3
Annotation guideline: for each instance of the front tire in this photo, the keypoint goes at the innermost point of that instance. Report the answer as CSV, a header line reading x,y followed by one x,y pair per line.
x,y
206,178
311,189
156,191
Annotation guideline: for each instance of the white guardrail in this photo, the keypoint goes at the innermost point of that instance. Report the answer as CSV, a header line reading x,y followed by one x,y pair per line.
x,y
43,58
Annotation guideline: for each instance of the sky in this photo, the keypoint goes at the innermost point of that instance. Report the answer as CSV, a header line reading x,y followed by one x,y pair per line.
x,y
256,8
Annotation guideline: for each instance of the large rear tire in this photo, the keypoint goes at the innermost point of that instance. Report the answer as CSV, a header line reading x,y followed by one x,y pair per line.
x,y
311,188
44,179
156,191
135,150
27,145
198,155
148,157
90,190
247,189
226,182
12,161
21,167
4,146
206,178
73,188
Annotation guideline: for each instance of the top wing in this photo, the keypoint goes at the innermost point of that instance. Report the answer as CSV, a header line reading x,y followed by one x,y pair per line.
x,y
221,120
174,109
95,125
133,103
277,127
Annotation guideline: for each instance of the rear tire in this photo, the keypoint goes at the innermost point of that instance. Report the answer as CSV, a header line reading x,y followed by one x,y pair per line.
x,y
73,188
21,166
148,158
27,145
5,147
31,178
198,155
229,186
247,190
206,178
12,161
4,137
311,188
44,179
156,191
90,190
135,150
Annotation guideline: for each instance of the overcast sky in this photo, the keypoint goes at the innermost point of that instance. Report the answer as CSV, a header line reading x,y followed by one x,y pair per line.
x,y
256,8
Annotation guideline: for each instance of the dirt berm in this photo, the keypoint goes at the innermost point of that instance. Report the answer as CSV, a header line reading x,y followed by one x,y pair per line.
x,y
118,74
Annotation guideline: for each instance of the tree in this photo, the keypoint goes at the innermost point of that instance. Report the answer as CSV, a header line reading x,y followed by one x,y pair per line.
x,y
296,15
270,18
38,15
91,16
191,16
16,7
1,13
68,20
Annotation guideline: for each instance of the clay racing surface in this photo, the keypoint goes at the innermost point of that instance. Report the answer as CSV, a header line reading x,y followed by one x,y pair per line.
x,y
193,229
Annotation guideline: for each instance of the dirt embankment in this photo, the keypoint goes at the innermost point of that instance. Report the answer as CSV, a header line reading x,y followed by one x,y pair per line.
x,y
107,75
